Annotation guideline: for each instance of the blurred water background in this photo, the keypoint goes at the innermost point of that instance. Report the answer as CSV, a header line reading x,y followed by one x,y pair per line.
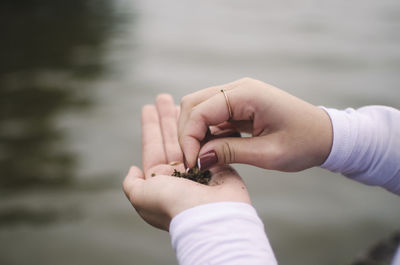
x,y
75,74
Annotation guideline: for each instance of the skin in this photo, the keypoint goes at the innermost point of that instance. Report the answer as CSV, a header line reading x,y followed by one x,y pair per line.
x,y
287,133
160,198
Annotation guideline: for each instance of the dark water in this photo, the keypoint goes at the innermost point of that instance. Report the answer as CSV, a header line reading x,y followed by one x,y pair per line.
x,y
47,48
73,78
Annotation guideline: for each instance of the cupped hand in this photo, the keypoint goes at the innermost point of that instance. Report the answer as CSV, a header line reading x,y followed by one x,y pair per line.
x,y
155,194
287,133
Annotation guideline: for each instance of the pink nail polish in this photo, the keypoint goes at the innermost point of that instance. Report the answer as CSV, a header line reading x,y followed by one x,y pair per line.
x,y
207,160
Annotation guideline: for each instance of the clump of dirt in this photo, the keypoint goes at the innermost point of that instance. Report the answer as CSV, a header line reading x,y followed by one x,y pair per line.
x,y
195,174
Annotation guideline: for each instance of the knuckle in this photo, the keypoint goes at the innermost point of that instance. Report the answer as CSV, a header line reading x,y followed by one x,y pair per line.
x,y
196,114
185,101
246,79
194,118
198,119
278,157
228,152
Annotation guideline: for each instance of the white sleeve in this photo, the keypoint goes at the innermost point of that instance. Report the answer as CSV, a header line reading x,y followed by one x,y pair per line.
x,y
366,145
220,233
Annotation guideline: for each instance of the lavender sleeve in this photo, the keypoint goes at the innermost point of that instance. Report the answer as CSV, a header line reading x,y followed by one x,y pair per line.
x,y
220,233
366,145
366,148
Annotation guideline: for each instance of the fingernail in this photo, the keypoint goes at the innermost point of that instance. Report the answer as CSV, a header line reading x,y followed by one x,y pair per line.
x,y
207,160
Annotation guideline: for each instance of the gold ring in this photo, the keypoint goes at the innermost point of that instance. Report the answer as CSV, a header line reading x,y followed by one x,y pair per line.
x,y
174,163
227,103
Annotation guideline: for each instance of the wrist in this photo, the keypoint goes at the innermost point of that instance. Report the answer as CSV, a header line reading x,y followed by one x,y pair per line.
x,y
324,137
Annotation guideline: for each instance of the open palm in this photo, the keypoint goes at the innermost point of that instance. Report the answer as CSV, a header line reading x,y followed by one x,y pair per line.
x,y
156,195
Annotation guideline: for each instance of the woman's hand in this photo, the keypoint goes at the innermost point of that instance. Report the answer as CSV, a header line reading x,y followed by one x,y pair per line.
x,y
159,198
287,133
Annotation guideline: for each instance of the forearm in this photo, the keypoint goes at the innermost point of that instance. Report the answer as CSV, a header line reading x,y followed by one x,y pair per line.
x,y
366,145
220,233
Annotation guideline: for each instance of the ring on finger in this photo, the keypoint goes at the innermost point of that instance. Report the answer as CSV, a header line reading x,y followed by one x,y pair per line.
x,y
227,103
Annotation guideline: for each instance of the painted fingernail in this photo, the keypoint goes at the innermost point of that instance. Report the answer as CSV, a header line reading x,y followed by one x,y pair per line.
x,y
207,160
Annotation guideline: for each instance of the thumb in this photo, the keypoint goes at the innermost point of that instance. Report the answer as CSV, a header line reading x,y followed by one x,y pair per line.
x,y
250,150
132,184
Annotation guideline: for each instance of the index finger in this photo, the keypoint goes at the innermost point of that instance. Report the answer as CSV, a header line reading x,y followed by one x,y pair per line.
x,y
212,111
191,100
188,103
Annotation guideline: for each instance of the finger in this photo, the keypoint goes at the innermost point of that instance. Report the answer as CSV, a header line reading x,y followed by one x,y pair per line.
x,y
213,111
132,184
168,123
191,100
216,129
220,134
243,126
257,151
178,112
153,152
239,126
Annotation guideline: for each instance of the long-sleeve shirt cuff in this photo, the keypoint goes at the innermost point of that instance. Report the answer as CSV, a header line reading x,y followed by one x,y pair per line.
x,y
220,233
366,145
